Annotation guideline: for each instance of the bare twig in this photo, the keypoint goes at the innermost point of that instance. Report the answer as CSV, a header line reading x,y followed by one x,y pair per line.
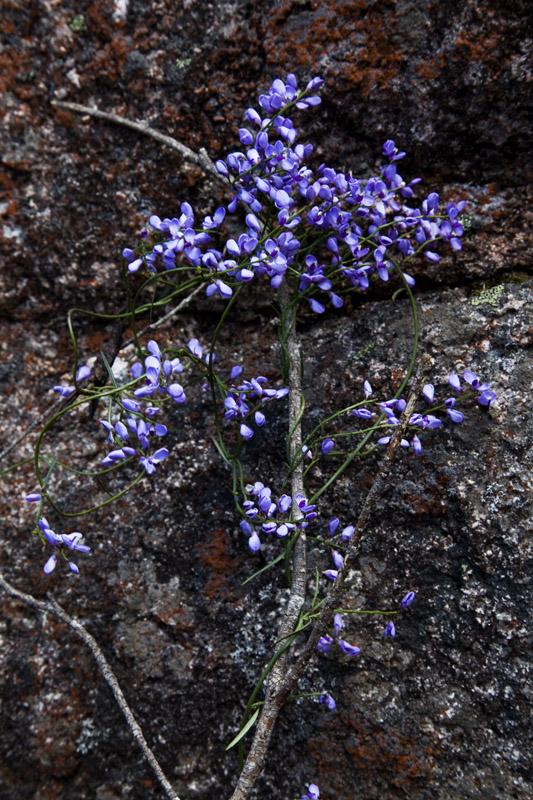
x,y
153,325
289,675
51,607
201,159
274,699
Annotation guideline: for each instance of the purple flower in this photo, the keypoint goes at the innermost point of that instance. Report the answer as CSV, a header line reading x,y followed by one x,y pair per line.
x,y
429,392
254,542
307,510
338,623
324,644
390,630
317,307
333,524
347,533
327,446
471,378
150,462
175,390
408,599
35,497
391,151
83,373
456,416
454,381
416,445
349,649
327,700
313,792
284,503
131,405
362,413
72,541
246,432
431,422
50,564
486,397
64,391
330,574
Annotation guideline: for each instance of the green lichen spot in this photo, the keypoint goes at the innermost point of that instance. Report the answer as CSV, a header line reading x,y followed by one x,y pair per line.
x,y
488,297
77,23
365,350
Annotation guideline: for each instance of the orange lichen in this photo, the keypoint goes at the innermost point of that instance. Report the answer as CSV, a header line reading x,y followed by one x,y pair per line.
x,y
379,755
373,60
430,70
215,556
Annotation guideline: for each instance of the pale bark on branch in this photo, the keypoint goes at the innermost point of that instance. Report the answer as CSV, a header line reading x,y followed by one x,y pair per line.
x,y
200,159
287,675
274,700
51,607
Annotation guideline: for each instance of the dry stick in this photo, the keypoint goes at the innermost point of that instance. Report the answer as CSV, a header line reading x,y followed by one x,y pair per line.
x,y
153,325
201,159
54,608
274,699
290,676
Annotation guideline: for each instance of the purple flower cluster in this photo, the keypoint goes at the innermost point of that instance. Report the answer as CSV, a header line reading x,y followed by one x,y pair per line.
x,y
139,432
326,642
131,427
273,516
344,536
61,543
357,229
426,419
159,372
245,400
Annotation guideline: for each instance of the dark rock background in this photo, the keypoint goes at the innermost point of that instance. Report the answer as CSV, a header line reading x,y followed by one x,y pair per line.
x,y
441,713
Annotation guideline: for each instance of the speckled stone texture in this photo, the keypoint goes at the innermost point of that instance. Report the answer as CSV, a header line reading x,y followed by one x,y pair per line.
x,y
443,711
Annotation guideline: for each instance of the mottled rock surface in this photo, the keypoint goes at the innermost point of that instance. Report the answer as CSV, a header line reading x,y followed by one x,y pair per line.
x,y
443,711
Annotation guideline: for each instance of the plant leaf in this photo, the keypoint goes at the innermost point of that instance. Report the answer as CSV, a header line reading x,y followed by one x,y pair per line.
x,y
243,731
